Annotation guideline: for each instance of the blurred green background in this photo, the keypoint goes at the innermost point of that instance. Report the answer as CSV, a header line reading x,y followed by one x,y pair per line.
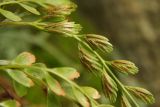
x,y
132,26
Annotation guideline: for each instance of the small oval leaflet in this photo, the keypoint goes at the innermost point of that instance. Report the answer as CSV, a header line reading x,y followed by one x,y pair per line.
x,y
10,15
29,8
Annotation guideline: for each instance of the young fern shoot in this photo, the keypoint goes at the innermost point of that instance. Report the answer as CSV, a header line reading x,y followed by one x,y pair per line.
x,y
24,71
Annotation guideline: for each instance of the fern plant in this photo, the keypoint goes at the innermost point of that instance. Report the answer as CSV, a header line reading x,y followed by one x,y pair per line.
x,y
51,16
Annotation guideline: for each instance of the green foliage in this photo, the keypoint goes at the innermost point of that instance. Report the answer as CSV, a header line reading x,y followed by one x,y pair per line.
x,y
20,89
10,15
24,71
54,85
10,103
30,9
20,77
51,16
67,72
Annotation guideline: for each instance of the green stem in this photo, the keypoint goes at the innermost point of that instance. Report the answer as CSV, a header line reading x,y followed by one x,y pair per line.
x,y
4,67
33,24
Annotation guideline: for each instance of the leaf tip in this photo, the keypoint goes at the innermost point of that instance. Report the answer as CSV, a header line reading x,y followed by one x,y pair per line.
x,y
75,75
